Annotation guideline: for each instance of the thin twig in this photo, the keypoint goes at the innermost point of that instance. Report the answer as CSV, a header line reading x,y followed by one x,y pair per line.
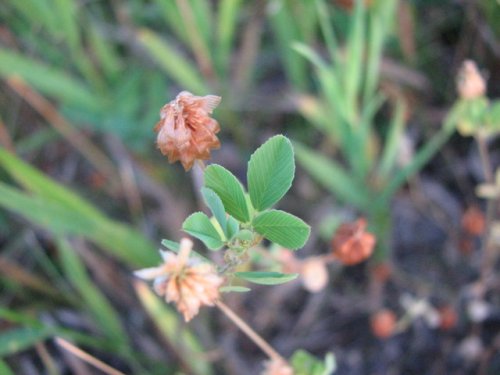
x,y
86,357
200,51
5,138
252,335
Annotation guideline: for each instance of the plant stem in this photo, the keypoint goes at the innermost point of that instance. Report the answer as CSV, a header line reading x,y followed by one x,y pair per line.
x,y
252,335
485,158
487,248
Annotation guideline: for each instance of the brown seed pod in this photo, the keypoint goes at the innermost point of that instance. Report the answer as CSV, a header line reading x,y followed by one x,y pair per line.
x,y
351,244
186,132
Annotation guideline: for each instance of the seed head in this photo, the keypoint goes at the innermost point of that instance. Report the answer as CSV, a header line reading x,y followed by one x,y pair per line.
x,y
351,244
187,282
186,132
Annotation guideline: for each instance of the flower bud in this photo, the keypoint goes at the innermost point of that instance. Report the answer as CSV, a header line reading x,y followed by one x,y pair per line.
x,y
470,83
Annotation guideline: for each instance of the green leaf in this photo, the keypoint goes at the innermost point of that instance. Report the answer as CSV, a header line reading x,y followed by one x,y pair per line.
x,y
213,202
18,339
198,225
233,226
234,288
304,363
229,189
266,278
244,235
270,172
282,228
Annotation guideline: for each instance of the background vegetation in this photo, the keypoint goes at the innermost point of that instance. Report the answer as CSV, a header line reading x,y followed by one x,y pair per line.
x,y
366,91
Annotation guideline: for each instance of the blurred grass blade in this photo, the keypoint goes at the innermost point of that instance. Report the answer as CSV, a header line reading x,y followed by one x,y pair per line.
x,y
36,182
65,11
374,54
5,369
122,241
331,176
180,338
286,33
420,159
52,82
227,18
38,13
354,60
327,29
393,141
18,339
309,54
179,68
57,208
199,32
104,52
104,314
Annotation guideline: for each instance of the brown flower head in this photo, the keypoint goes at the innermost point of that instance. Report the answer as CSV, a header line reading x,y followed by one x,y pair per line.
x,y
470,83
351,244
187,282
277,367
186,132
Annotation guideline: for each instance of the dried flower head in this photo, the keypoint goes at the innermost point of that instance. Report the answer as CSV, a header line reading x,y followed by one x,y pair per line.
x,y
473,221
277,367
448,318
186,132
314,274
470,83
383,323
351,244
187,282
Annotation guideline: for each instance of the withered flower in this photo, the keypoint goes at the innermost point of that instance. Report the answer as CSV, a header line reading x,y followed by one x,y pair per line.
x,y
351,244
473,221
383,323
188,282
186,132
277,367
470,83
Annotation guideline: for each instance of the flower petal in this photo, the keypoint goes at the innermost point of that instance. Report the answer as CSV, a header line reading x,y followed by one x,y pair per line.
x,y
149,273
